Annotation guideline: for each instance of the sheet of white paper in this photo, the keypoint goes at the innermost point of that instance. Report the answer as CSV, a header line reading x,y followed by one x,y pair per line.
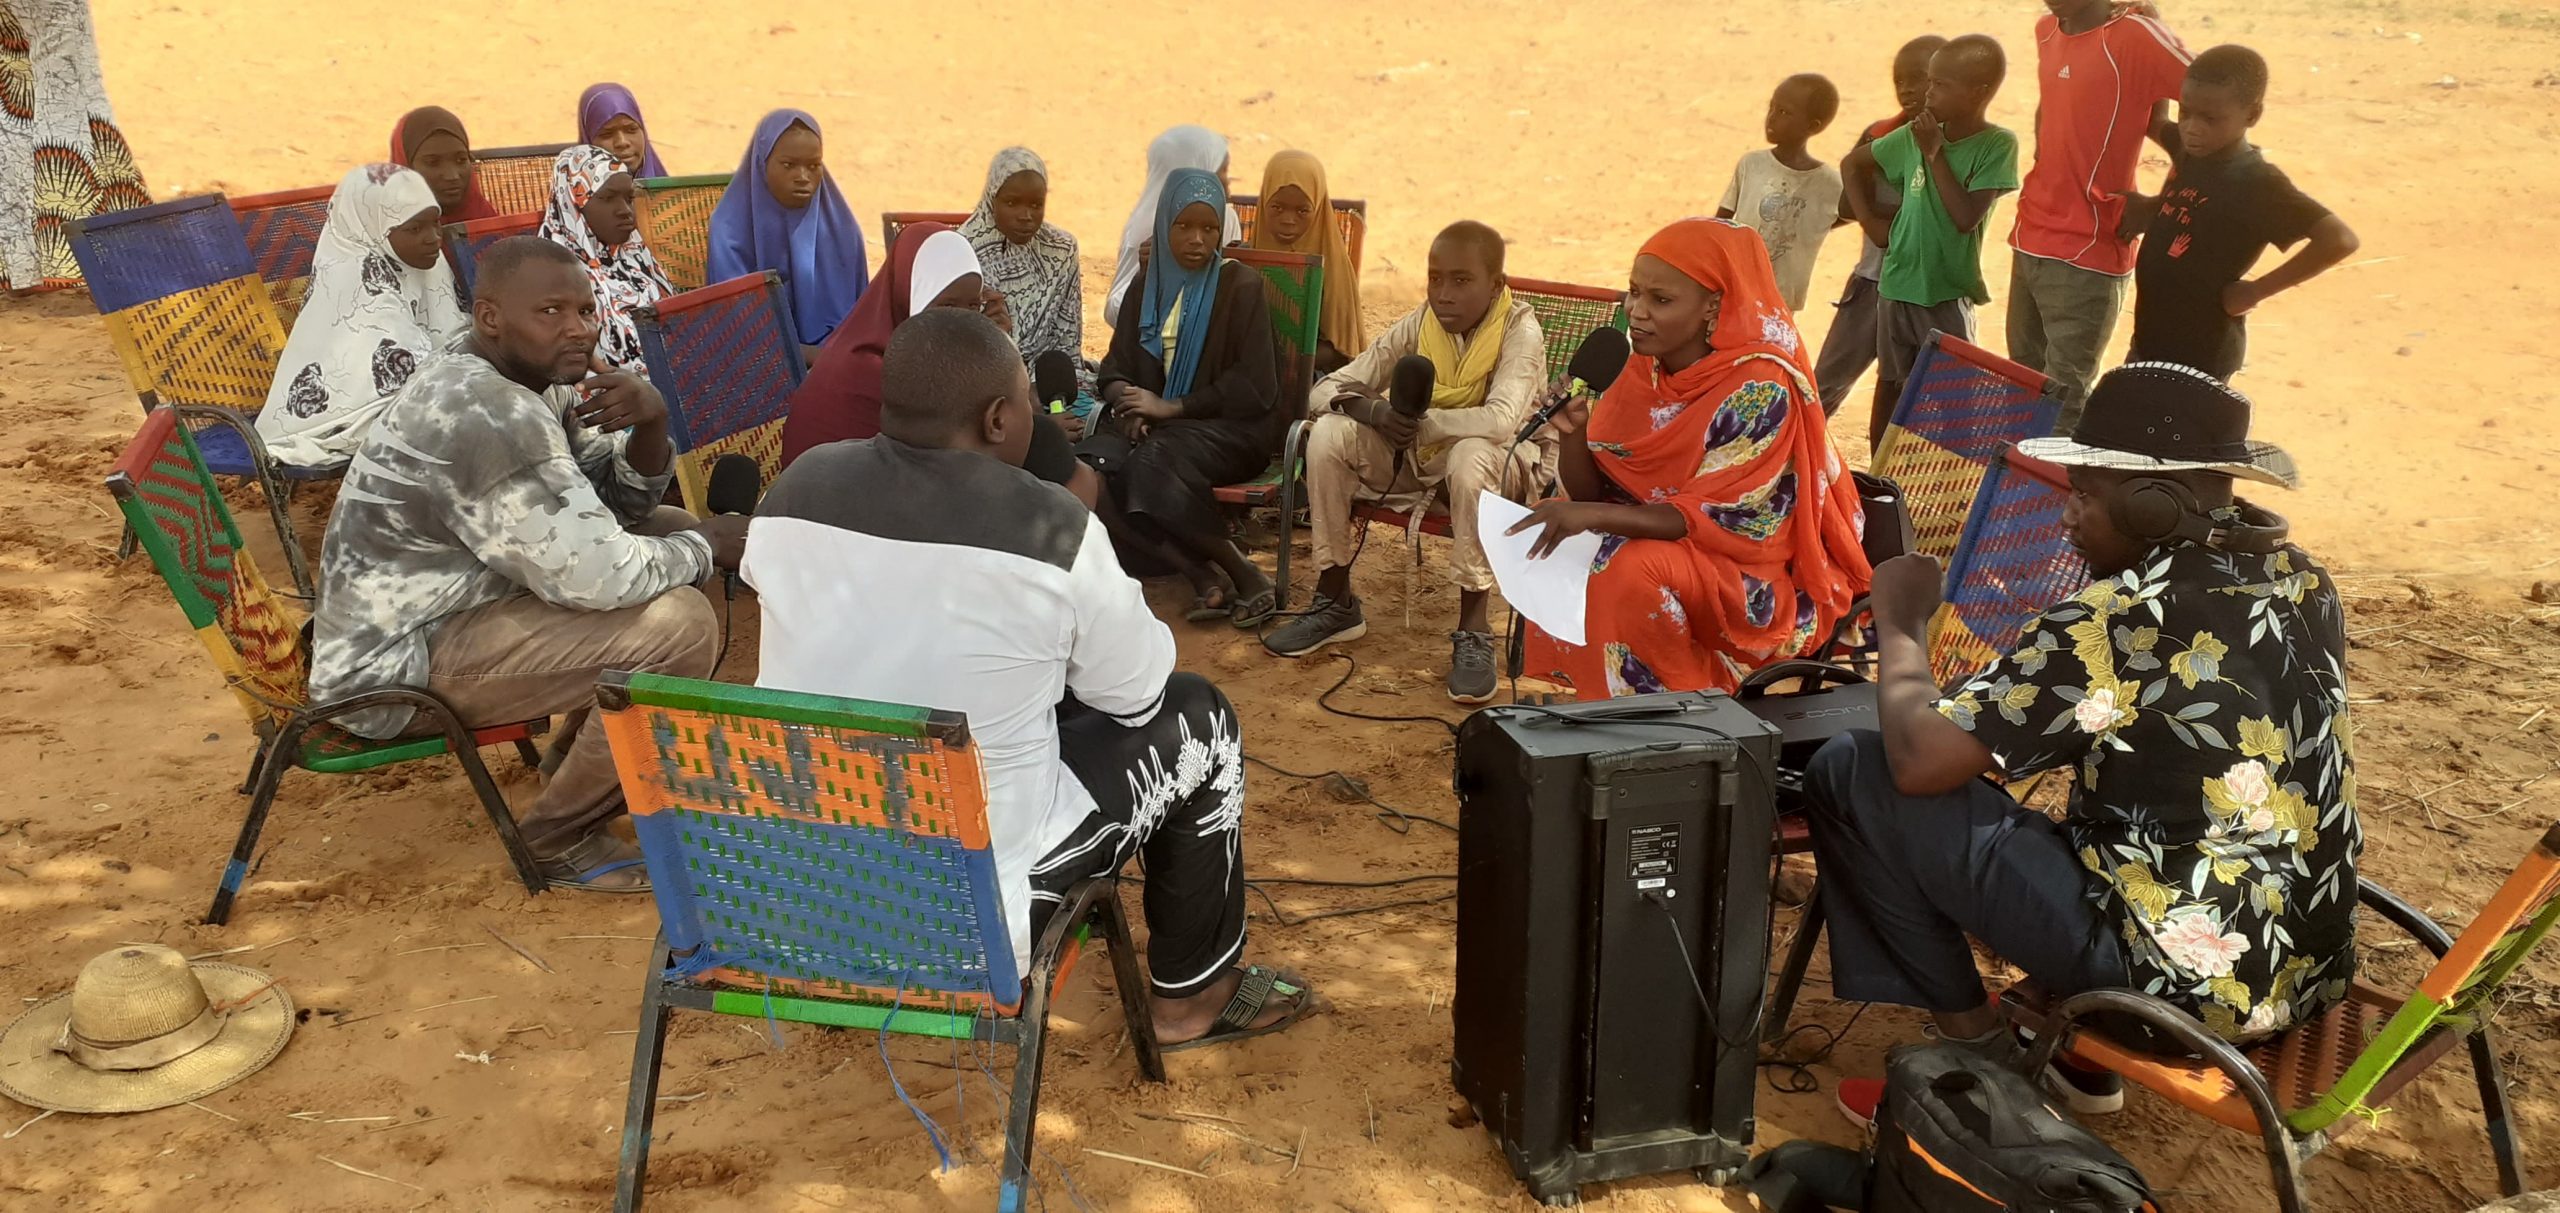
x,y
1550,589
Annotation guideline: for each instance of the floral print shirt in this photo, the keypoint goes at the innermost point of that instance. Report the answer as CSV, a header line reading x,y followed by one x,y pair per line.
x,y
2203,697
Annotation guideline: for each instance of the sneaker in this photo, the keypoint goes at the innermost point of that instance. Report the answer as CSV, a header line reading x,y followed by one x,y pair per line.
x,y
1471,677
1326,622
2086,1089
1858,1099
2089,1092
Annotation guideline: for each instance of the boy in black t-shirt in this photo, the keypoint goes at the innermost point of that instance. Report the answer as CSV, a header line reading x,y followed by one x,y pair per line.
x,y
2221,207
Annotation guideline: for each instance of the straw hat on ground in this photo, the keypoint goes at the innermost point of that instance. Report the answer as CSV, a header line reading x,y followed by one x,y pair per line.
x,y
143,1029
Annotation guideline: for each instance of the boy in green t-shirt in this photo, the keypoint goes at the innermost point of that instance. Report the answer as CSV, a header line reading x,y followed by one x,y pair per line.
x,y
1951,166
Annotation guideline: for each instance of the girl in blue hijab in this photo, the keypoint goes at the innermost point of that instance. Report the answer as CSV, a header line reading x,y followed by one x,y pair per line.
x,y
1193,383
782,212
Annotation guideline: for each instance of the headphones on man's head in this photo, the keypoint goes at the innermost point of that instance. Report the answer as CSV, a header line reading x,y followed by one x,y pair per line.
x,y
2159,511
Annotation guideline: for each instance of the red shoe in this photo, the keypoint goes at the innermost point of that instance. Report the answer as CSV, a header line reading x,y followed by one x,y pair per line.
x,y
1858,1099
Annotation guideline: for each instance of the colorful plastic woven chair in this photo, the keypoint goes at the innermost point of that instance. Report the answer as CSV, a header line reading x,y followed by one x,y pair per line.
x,y
464,242
1568,312
1293,286
195,328
725,360
516,179
1349,214
282,230
1962,405
2299,1089
2013,563
826,861
675,218
170,500
891,222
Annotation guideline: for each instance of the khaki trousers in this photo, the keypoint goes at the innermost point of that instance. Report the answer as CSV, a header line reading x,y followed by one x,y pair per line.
x,y
521,658
1346,459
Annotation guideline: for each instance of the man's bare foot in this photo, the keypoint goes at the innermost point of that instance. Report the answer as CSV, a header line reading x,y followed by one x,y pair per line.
x,y
1284,999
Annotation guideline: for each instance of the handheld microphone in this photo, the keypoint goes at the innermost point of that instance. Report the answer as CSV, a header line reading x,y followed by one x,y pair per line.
x,y
1409,385
1596,363
736,482
1053,374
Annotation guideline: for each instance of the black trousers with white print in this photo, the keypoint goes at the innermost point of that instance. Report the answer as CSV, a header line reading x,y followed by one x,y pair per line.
x,y
1171,792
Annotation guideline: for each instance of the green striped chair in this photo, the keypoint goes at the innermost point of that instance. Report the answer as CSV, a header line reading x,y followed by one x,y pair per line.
x,y
174,508
2298,1090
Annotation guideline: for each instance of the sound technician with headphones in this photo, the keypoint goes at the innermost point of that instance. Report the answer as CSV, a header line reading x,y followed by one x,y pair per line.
x,y
2199,688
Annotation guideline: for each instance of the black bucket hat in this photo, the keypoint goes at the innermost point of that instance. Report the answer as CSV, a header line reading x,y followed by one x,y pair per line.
x,y
2163,417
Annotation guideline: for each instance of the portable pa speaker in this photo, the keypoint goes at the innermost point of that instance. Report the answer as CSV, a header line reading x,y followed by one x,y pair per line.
x,y
1613,934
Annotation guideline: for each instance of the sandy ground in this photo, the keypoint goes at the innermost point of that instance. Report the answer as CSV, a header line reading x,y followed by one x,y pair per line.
x,y
2414,385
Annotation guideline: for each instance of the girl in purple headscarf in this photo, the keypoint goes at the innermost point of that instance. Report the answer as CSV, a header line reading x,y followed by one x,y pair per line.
x,y
609,118
782,212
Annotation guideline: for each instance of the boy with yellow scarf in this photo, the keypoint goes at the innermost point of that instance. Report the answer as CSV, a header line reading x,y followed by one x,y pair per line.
x,y
1491,364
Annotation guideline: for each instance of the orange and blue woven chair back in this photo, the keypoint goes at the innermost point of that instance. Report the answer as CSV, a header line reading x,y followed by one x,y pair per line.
x,y
1568,312
814,846
516,179
675,220
177,515
464,242
2013,563
725,358
1961,406
283,231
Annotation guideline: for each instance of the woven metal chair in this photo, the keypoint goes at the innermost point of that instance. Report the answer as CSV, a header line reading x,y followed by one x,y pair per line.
x,y
1349,214
892,222
2013,562
1961,406
2298,1090
725,359
195,328
826,861
464,242
675,218
282,230
516,179
170,500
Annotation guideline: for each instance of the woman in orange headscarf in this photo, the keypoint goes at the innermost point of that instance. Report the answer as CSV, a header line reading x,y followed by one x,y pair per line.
x,y
1732,529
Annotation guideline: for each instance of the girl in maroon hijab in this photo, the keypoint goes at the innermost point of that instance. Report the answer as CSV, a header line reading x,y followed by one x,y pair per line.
x,y
431,140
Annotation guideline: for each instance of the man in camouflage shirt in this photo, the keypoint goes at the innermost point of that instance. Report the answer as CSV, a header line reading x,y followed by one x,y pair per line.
x,y
2196,690
499,541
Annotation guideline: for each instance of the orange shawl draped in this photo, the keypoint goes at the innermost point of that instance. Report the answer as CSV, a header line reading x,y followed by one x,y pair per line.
x,y
1737,442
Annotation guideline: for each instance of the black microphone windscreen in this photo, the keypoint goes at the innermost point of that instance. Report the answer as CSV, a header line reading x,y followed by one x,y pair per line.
x,y
1409,387
1600,357
736,482
1053,374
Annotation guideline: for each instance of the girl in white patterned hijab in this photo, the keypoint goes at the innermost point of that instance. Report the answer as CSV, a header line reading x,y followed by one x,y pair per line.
x,y
381,301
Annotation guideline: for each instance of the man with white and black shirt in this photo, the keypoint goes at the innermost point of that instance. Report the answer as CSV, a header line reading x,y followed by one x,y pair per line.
x,y
925,567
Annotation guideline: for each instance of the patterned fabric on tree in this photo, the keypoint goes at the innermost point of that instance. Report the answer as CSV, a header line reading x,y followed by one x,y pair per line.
x,y
370,319
61,156
2203,697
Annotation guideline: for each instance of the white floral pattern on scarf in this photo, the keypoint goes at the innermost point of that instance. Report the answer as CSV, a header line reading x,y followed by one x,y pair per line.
x,y
626,277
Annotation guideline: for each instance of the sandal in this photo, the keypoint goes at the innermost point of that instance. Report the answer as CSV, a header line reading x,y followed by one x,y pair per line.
x,y
1256,609
1210,604
1252,994
592,863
